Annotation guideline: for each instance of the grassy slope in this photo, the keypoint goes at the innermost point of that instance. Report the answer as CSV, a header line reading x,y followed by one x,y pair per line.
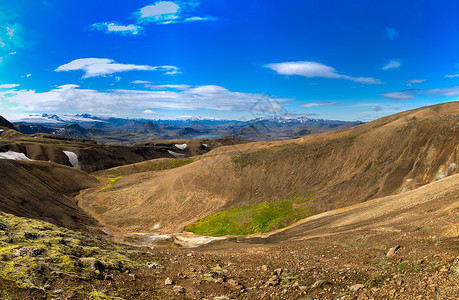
x,y
258,218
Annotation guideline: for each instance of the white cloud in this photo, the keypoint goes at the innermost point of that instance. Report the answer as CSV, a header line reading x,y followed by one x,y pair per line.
x,y
114,27
124,102
140,81
28,75
314,69
161,12
410,94
94,67
194,19
2,44
8,86
168,86
168,12
392,64
160,8
414,81
403,95
12,53
148,111
10,32
391,33
447,92
321,103
452,76
171,70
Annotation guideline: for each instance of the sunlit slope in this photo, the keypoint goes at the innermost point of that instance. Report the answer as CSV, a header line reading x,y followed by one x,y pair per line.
x,y
388,156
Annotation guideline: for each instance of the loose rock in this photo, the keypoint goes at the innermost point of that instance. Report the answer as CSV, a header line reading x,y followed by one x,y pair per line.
x,y
356,287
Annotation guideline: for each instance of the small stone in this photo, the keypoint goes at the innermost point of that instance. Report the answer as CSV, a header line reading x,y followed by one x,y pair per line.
x,y
320,283
168,281
58,291
132,277
392,251
220,280
444,269
356,287
179,289
153,265
273,281
264,268
420,261
232,282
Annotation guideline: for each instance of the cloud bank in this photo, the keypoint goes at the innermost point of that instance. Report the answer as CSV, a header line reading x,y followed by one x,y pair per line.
x,y
124,102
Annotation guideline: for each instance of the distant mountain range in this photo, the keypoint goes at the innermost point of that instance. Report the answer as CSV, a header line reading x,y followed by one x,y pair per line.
x,y
111,130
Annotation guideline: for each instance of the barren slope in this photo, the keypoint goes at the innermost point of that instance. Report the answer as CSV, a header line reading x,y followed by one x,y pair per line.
x,y
388,156
45,191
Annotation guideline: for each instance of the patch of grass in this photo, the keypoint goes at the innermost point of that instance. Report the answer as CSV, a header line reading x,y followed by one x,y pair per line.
x,y
373,281
256,218
379,125
96,295
113,180
402,266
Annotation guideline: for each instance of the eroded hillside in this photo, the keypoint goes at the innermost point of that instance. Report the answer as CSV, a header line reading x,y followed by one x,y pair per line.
x,y
388,156
45,191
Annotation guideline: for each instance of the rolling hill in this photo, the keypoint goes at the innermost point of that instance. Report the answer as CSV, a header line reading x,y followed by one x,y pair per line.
x,y
388,156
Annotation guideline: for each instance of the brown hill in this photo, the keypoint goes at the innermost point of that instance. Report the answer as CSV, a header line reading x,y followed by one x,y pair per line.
x,y
388,156
45,191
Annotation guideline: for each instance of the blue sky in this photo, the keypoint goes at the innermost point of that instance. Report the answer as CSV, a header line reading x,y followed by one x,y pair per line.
x,y
348,60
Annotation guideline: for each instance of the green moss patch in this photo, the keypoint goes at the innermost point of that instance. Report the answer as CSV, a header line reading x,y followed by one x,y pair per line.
x,y
256,218
34,252
113,180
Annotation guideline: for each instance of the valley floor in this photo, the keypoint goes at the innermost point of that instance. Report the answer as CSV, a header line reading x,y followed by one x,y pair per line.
x,y
404,254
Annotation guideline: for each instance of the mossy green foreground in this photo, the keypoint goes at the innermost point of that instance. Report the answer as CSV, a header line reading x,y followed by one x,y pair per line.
x,y
34,252
258,218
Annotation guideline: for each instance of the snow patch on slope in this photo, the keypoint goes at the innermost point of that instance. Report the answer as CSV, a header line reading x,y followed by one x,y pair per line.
x,y
13,155
73,158
176,155
181,146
